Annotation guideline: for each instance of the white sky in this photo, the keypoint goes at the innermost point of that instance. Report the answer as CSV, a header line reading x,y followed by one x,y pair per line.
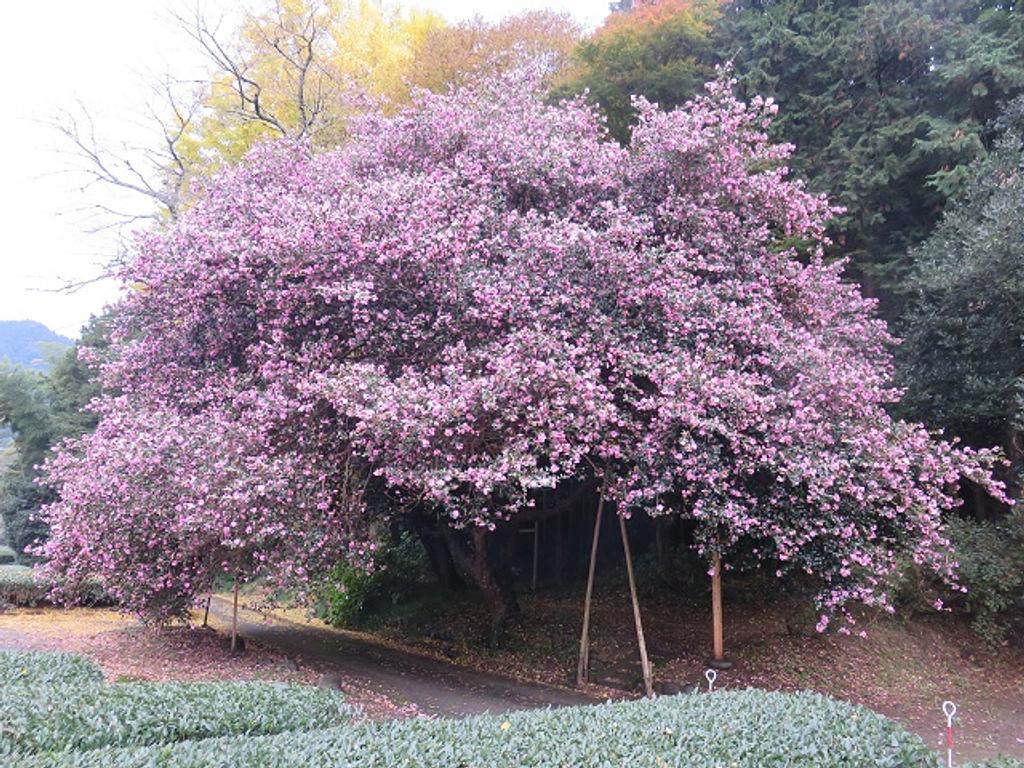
x,y
103,54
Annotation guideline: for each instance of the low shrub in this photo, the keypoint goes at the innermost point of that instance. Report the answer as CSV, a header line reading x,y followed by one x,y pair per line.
x,y
745,729
32,668
75,717
18,586
7,555
348,595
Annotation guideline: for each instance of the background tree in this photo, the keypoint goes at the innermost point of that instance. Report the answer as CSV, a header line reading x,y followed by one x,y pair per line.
x,y
298,70
455,54
962,361
41,409
659,50
887,102
963,357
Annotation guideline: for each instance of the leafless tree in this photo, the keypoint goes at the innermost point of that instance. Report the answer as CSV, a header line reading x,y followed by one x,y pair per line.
x,y
154,179
300,43
155,175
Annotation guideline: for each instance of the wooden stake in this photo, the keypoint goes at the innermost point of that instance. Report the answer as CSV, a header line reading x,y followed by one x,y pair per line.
x,y
536,548
234,621
645,663
206,613
716,606
583,670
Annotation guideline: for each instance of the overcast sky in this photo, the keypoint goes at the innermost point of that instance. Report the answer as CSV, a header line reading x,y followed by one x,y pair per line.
x,y
104,54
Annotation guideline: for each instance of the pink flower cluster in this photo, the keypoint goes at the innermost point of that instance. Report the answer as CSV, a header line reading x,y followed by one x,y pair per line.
x,y
480,297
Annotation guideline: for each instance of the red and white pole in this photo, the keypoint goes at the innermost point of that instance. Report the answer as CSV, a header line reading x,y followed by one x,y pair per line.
x,y
949,710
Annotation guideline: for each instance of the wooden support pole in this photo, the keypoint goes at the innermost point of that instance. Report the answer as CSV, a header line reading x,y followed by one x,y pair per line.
x,y
536,548
645,663
583,669
206,613
234,621
716,607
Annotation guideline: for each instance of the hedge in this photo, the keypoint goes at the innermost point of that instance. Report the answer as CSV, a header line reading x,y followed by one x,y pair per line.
x,y
7,555
728,728
22,669
18,586
71,716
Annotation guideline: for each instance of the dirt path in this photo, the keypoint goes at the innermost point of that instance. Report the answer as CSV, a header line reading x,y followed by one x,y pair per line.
x,y
431,685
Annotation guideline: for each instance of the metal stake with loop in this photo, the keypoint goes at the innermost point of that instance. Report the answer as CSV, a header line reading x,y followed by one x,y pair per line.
x,y
711,675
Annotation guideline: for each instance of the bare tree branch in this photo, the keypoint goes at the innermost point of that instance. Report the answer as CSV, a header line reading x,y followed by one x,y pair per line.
x,y
247,90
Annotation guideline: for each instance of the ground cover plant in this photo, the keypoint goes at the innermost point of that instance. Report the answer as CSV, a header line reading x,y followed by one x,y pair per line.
x,y
57,703
19,669
743,728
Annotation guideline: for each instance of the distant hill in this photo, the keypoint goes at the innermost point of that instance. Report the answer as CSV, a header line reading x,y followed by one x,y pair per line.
x,y
30,344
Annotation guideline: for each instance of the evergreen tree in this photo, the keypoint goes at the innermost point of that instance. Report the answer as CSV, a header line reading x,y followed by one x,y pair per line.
x,y
40,410
887,102
963,356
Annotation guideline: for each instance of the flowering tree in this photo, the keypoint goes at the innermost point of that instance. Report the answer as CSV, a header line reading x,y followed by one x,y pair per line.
x,y
482,297
158,503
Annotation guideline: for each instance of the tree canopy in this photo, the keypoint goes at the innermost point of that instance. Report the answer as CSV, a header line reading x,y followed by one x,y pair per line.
x,y
659,50
480,297
887,102
40,409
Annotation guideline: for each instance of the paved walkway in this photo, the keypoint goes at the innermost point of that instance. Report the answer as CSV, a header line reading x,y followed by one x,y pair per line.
x,y
434,686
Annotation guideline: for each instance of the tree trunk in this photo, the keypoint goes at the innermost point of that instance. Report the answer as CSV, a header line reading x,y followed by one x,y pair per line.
x,y
438,553
476,560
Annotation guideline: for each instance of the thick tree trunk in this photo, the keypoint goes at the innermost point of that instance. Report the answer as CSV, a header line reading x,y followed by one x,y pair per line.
x,y
664,530
479,558
438,552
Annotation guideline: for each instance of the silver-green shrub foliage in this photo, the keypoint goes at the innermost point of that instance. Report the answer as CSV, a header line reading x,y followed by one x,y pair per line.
x,y
746,729
65,717
57,713
21,669
19,586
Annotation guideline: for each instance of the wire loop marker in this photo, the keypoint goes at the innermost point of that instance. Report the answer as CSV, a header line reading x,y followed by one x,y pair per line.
x,y
711,675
